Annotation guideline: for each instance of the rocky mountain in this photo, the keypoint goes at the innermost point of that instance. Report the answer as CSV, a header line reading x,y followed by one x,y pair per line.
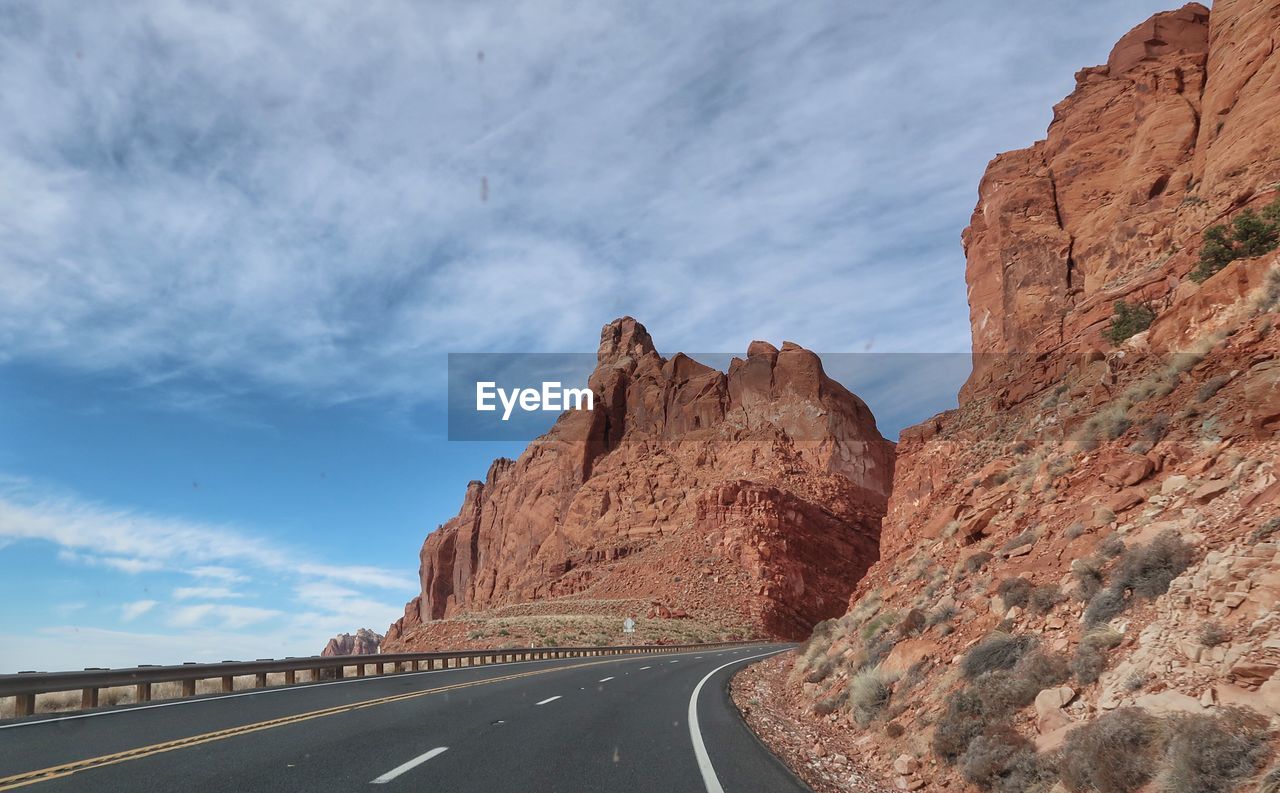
x,y
364,642
704,502
1086,553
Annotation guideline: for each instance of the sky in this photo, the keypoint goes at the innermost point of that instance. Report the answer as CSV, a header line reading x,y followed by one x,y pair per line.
x,y
239,239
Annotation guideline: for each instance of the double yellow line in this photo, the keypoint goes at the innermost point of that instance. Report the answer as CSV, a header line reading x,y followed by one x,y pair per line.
x,y
67,769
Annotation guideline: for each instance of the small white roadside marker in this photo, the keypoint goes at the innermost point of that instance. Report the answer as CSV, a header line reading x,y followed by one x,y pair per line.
x,y
548,699
409,766
604,680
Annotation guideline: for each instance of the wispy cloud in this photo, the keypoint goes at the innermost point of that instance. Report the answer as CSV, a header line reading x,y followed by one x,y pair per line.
x,y
131,611
129,541
220,197
204,593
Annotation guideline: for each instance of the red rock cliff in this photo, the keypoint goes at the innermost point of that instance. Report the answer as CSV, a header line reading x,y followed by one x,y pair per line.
x,y
1174,132
758,492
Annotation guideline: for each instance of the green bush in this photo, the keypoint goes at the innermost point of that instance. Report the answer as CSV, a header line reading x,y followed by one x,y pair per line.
x,y
1114,753
1251,234
1126,320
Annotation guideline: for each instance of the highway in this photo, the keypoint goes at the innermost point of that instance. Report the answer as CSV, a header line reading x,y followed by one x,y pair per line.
x,y
621,724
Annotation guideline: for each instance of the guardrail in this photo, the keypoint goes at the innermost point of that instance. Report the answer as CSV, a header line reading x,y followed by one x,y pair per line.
x,y
26,686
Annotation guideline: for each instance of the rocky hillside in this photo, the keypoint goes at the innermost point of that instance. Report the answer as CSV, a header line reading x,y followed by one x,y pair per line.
x,y
1079,568
364,642
705,503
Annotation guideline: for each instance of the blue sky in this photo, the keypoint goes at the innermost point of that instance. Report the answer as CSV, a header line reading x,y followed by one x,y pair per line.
x,y
237,241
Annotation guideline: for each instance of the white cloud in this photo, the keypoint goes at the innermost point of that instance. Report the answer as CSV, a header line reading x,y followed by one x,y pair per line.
x,y
135,542
131,611
323,599
240,196
204,592
220,614
224,574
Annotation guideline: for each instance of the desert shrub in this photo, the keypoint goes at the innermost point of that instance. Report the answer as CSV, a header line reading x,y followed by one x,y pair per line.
x,y
1104,606
1208,754
1265,531
941,614
869,693
975,562
1210,387
1007,690
1089,578
826,705
1155,428
997,651
819,670
1250,234
1006,762
1091,654
1044,597
1107,424
964,719
1074,531
1014,591
1148,570
1270,782
1114,753
1211,634
1027,537
878,625
1128,319
1111,547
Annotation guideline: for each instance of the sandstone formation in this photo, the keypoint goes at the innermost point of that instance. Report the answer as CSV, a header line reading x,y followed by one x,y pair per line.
x,y
364,642
1068,455
750,498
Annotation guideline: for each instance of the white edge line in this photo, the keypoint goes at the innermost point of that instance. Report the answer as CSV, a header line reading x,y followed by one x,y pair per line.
x,y
409,766
548,699
709,778
284,690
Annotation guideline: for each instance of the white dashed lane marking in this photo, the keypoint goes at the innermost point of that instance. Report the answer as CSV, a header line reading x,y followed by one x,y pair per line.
x,y
548,699
409,766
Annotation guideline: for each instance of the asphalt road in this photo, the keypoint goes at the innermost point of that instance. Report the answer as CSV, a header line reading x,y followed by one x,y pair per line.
x,y
625,724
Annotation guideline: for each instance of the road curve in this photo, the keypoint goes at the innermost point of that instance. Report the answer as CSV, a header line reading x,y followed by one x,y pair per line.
x,y
621,724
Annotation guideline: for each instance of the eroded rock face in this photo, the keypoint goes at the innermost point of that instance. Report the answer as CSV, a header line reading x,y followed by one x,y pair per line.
x,y
1066,449
363,642
1173,133
771,465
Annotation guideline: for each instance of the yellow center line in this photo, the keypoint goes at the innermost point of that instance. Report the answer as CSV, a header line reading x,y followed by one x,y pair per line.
x,y
58,771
